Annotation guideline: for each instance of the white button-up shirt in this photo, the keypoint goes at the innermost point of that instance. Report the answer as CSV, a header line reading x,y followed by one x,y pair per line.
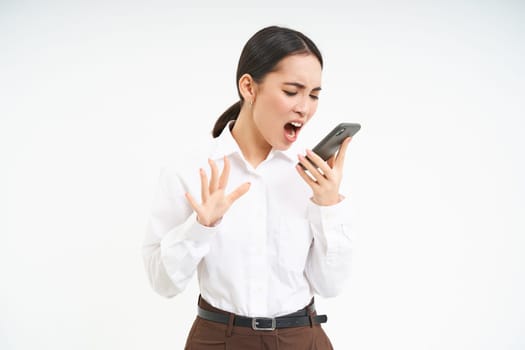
x,y
273,249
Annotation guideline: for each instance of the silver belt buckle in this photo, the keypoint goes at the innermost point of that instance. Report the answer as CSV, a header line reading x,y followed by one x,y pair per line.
x,y
255,324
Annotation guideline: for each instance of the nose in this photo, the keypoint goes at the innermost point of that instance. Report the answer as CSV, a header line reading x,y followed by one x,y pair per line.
x,y
302,107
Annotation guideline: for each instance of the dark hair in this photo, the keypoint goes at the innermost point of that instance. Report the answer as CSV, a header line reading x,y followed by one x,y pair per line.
x,y
261,54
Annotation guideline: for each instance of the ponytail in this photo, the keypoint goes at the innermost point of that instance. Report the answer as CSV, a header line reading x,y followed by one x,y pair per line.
x,y
230,114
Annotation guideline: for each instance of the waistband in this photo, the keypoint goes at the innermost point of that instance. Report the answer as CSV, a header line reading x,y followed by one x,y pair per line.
x,y
307,316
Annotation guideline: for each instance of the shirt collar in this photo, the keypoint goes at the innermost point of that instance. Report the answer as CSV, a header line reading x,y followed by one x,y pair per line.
x,y
225,145
289,154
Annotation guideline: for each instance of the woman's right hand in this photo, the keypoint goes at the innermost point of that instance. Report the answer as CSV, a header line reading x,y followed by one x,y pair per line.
x,y
215,202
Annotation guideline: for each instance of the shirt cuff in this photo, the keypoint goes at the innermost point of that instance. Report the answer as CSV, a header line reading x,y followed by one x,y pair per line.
x,y
331,231
326,216
192,232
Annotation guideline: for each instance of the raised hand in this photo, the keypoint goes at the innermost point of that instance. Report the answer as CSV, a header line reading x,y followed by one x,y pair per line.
x,y
215,202
326,176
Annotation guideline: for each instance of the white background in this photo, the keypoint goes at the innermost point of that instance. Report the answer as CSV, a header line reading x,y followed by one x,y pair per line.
x,y
96,97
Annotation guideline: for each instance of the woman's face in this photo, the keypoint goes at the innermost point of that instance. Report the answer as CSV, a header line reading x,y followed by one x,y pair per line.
x,y
286,99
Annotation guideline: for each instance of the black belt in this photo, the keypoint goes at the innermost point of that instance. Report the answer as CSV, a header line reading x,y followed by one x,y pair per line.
x,y
299,318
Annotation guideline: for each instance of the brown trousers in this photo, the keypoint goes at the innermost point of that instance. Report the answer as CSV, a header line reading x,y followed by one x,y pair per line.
x,y
209,335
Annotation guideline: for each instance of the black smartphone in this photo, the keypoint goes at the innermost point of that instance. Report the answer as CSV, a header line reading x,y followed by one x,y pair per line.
x,y
329,145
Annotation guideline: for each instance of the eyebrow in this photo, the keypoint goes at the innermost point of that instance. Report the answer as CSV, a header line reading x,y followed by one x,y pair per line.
x,y
301,86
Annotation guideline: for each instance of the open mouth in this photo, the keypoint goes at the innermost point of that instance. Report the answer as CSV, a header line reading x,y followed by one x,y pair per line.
x,y
292,129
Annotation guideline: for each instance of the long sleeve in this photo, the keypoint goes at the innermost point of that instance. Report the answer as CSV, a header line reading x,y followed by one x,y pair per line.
x,y
175,242
329,260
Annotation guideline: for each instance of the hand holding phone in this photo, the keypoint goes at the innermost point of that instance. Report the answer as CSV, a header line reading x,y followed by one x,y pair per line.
x,y
325,179
329,145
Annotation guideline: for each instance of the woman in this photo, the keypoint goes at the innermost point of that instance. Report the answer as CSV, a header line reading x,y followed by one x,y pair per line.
x,y
262,234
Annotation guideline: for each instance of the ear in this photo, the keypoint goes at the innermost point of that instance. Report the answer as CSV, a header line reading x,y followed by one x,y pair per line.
x,y
248,88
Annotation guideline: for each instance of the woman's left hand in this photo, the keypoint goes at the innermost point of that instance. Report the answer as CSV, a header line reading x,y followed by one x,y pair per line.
x,y
326,176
